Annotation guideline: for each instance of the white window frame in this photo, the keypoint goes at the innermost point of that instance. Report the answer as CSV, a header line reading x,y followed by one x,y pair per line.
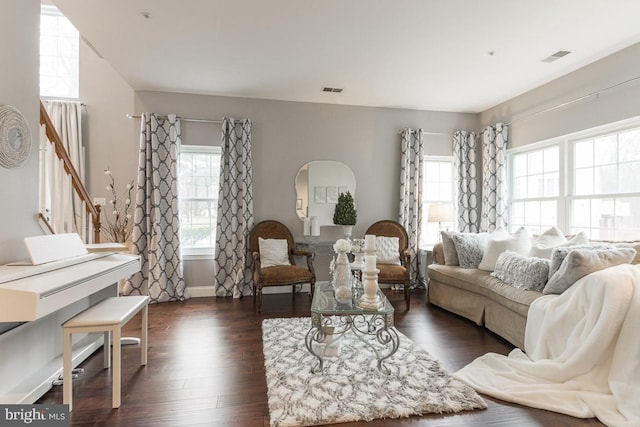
x,y
198,253
566,161
423,243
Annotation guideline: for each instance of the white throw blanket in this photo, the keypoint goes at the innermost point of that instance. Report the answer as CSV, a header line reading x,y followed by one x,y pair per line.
x,y
582,352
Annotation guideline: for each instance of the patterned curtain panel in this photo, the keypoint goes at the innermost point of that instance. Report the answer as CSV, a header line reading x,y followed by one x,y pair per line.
x,y
58,202
466,164
235,211
156,236
411,181
494,200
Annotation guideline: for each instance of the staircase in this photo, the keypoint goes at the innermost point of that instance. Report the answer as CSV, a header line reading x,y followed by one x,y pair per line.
x,y
93,224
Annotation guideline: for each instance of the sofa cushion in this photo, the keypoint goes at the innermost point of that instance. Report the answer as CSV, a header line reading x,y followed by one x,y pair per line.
x,y
470,248
449,249
580,262
500,241
560,253
543,244
522,271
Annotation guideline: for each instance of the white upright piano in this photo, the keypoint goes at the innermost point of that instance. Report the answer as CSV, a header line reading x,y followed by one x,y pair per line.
x,y
35,300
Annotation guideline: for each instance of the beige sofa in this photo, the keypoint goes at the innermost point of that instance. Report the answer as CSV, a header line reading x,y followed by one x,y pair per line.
x,y
483,299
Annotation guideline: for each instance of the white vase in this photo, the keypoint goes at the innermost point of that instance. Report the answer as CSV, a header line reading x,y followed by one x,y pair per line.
x,y
347,230
342,278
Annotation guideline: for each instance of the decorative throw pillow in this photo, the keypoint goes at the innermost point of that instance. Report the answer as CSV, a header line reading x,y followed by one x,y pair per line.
x,y
521,271
387,250
273,252
500,241
580,262
470,247
559,253
542,245
449,248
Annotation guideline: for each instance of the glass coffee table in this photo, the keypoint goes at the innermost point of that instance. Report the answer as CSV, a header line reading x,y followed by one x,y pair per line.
x,y
330,320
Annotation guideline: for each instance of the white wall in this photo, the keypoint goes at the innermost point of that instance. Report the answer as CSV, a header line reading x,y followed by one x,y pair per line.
x,y
286,135
20,27
617,104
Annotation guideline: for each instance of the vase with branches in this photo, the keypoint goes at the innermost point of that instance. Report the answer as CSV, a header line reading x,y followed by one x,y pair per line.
x,y
118,225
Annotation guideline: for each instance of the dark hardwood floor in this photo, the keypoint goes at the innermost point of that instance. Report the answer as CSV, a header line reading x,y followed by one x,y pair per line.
x,y
206,367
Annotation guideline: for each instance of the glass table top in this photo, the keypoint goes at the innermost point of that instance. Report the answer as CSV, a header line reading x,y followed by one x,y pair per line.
x,y
324,302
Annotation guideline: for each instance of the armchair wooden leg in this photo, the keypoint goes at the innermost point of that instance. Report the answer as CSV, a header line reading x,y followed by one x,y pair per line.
x,y
259,300
407,295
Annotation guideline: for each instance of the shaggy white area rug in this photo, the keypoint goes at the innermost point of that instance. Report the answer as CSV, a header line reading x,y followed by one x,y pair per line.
x,y
351,388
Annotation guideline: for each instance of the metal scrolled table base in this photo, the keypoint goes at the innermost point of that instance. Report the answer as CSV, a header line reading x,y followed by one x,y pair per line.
x,y
363,326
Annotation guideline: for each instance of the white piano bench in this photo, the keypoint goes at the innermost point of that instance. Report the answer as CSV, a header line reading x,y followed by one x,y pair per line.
x,y
108,316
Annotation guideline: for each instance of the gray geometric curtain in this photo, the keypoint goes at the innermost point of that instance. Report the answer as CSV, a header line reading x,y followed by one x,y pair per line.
x,y
466,164
494,200
411,182
235,211
156,235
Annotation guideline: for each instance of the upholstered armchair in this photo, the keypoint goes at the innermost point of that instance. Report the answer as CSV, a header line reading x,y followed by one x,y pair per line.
x,y
394,274
275,264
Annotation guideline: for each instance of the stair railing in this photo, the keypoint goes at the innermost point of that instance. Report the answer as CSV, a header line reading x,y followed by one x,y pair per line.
x,y
76,182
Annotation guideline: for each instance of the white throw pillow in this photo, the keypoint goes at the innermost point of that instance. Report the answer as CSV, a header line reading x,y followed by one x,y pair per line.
x,y
387,250
542,245
273,252
500,241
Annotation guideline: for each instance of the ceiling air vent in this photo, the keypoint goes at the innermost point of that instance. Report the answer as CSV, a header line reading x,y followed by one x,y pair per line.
x,y
332,89
559,54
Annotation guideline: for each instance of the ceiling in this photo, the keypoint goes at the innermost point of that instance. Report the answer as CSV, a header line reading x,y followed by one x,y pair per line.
x,y
455,55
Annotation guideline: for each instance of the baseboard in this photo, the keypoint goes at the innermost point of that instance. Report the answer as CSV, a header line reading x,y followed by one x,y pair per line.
x,y
208,291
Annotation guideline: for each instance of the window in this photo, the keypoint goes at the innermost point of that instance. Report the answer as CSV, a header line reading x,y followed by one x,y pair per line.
x,y
198,181
59,53
595,190
437,189
535,189
605,201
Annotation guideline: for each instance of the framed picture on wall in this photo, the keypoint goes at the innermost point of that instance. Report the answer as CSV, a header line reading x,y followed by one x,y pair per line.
x,y
332,194
320,194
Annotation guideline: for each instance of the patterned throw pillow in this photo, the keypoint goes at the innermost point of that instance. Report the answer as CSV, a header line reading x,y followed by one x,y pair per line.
x,y
580,262
273,252
470,248
521,271
387,250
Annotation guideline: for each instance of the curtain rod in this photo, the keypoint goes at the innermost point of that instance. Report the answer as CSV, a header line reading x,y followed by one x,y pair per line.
x,y
564,104
131,116
428,133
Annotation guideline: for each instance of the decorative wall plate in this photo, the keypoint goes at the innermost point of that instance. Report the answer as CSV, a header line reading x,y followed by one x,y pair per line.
x,y
15,137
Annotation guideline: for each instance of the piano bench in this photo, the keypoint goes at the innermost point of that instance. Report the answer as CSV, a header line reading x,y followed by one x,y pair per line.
x,y
108,316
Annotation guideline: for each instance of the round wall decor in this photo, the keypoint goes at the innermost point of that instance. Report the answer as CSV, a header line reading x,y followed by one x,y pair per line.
x,y
15,137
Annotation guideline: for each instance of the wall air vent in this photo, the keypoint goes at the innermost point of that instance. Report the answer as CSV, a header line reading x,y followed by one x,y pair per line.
x,y
332,89
559,54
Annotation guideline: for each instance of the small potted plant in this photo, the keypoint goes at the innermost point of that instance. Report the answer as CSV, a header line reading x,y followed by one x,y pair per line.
x,y
345,213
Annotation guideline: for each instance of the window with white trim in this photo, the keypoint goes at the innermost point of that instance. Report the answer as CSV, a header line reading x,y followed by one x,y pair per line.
x,y
582,182
59,55
605,201
198,182
535,189
437,189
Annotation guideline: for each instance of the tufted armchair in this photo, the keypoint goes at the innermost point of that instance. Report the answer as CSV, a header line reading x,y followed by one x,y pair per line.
x,y
278,275
394,274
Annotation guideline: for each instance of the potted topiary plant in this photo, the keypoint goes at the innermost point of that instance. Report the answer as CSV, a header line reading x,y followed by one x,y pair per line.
x,y
345,213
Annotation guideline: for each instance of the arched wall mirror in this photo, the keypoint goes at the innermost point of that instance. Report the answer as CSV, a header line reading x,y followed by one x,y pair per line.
x,y
318,185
